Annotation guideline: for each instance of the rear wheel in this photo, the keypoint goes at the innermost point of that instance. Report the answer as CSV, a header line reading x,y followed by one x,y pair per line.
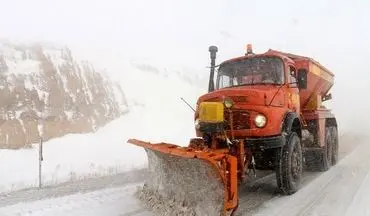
x,y
326,155
335,147
289,165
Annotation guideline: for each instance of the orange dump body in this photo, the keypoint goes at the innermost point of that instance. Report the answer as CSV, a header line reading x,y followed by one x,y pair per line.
x,y
319,81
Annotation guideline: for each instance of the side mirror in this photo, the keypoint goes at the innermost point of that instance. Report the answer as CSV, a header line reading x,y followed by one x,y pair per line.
x,y
302,78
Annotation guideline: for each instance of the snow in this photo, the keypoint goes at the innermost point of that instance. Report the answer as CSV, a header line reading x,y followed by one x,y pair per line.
x,y
28,66
163,117
112,201
343,190
20,62
15,62
69,114
360,202
28,84
72,157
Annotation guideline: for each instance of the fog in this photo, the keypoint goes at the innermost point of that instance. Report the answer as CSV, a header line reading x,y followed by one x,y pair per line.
x,y
177,34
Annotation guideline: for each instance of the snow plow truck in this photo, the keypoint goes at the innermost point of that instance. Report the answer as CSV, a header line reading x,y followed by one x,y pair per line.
x,y
262,112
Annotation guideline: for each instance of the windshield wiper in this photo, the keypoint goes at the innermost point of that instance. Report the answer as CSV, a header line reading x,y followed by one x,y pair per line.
x,y
277,91
253,84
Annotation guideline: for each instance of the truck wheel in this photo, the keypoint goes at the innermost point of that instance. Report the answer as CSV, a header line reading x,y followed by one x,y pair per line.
x,y
289,165
335,146
326,154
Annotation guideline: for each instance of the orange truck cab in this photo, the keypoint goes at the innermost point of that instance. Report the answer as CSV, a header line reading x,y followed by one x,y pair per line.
x,y
273,102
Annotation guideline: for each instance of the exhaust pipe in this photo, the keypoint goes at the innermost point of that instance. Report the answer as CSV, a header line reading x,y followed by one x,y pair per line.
x,y
212,50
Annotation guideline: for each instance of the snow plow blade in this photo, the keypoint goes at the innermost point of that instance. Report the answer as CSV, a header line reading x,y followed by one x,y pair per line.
x,y
201,182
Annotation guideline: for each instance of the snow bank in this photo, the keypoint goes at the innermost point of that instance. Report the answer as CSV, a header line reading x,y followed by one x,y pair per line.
x,y
77,156
71,157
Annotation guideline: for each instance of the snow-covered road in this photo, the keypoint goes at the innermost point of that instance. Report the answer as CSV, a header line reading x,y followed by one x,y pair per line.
x,y
110,195
343,190
111,201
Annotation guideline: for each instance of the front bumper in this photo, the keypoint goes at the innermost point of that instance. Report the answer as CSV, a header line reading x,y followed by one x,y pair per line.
x,y
265,142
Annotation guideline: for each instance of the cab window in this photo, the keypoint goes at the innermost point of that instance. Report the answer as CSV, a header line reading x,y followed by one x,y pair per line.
x,y
292,76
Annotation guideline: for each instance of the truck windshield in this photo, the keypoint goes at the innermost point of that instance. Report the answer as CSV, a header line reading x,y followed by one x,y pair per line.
x,y
251,71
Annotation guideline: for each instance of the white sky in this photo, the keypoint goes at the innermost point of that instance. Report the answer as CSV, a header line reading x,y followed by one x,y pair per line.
x,y
177,34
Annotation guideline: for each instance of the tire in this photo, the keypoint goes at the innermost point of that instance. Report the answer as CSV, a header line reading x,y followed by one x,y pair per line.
x,y
326,154
335,145
289,167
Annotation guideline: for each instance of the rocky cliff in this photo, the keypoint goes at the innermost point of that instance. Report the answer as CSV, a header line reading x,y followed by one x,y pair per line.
x,y
44,84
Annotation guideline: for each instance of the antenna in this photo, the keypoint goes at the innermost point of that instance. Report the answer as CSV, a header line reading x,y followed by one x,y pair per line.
x,y
188,104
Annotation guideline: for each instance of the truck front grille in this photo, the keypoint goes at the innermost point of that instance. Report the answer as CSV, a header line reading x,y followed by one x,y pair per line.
x,y
241,119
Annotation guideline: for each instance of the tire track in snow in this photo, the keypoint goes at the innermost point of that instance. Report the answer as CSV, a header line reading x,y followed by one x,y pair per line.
x,y
339,193
68,188
361,199
112,201
253,198
329,194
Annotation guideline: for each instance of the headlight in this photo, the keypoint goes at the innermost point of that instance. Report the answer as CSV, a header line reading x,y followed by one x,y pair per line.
x,y
260,120
228,103
196,123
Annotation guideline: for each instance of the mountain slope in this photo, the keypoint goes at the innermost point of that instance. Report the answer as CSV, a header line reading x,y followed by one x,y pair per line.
x,y
45,82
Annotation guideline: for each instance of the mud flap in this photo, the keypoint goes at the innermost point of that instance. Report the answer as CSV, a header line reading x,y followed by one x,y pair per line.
x,y
198,182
